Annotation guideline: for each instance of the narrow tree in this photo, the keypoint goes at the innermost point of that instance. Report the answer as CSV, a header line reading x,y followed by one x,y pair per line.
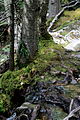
x,y
11,63
54,8
43,13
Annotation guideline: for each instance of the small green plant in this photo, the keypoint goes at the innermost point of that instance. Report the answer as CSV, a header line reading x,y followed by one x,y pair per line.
x,y
23,55
23,50
64,1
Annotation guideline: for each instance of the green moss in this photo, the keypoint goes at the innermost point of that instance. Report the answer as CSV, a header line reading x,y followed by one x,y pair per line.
x,y
4,102
64,1
67,18
72,91
49,54
12,80
58,114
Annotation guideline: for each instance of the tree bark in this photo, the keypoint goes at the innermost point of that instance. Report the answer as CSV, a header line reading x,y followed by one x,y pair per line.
x,y
54,8
7,10
43,27
29,31
11,64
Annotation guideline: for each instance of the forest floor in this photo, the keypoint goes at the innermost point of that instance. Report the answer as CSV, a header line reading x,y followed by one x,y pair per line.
x,y
48,72
46,86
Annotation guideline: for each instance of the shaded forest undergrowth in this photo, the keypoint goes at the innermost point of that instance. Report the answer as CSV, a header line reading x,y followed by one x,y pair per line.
x,y
51,79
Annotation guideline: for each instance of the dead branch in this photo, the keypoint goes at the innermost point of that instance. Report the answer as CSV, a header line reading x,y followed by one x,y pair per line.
x,y
72,113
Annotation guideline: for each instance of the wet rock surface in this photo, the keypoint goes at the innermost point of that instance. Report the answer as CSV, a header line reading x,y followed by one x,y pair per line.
x,y
41,100
49,100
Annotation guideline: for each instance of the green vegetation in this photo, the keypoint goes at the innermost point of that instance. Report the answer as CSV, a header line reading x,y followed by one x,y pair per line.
x,y
49,54
64,1
13,80
72,91
67,18
24,53
4,102
45,56
58,114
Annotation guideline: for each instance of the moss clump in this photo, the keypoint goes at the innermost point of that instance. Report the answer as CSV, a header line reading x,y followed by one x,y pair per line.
x,y
72,15
15,80
12,80
58,114
49,54
72,91
23,55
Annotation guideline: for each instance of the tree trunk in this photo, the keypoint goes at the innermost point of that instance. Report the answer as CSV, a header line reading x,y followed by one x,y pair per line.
x,y
11,63
54,8
17,27
29,31
43,27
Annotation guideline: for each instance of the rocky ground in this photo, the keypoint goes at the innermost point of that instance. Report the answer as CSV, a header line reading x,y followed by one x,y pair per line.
x,y
50,94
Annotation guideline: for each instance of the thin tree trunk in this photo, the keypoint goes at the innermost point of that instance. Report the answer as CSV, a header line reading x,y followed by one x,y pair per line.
x,y
54,8
43,27
11,64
